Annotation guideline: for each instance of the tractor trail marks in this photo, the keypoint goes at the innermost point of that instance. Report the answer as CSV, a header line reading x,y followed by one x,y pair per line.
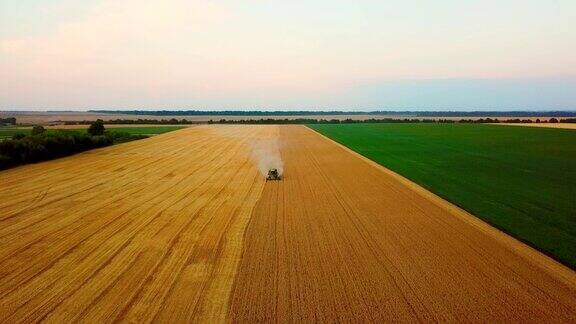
x,y
340,239
134,244
182,227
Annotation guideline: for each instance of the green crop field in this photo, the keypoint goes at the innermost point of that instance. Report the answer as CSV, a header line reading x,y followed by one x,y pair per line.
x,y
145,130
520,179
8,132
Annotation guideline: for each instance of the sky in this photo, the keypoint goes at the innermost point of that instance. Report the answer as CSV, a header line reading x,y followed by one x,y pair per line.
x,y
288,55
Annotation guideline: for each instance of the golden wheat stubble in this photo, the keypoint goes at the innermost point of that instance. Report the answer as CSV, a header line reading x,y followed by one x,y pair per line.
x,y
142,231
341,239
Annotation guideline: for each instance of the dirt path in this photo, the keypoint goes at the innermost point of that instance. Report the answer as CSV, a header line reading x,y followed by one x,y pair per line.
x,y
151,229
341,239
544,125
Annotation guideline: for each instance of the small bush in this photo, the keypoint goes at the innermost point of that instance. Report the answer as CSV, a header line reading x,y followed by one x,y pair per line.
x,y
38,130
96,128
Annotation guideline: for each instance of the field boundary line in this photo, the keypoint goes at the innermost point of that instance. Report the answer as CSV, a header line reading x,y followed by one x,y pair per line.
x,y
569,126
520,248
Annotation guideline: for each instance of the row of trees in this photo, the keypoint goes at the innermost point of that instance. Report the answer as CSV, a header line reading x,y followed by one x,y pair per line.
x,y
413,114
139,121
174,121
382,120
8,121
325,121
43,145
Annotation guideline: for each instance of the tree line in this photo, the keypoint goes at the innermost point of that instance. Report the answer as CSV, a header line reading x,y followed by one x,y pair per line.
x,y
8,121
279,121
411,114
139,121
384,120
174,121
41,145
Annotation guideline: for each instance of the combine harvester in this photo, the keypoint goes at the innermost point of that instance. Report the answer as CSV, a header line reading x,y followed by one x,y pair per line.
x,y
273,174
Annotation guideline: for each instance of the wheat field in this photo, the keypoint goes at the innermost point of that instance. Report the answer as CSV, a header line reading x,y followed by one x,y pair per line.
x,y
182,227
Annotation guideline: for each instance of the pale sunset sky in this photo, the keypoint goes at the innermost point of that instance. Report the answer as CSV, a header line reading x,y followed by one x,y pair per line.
x,y
288,55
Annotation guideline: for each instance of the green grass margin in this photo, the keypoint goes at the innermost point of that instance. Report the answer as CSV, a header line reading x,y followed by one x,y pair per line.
x,y
8,132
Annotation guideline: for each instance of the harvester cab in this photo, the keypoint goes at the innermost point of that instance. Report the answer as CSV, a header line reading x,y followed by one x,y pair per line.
x,y
273,175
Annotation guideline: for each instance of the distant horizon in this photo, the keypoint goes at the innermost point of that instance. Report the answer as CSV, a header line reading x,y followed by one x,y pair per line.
x,y
276,112
502,94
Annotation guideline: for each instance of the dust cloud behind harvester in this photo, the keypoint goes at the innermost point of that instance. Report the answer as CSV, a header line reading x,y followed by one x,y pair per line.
x,y
266,155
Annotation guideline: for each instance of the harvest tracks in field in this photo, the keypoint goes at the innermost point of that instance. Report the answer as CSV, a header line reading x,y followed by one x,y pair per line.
x,y
145,230
183,227
520,179
340,239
